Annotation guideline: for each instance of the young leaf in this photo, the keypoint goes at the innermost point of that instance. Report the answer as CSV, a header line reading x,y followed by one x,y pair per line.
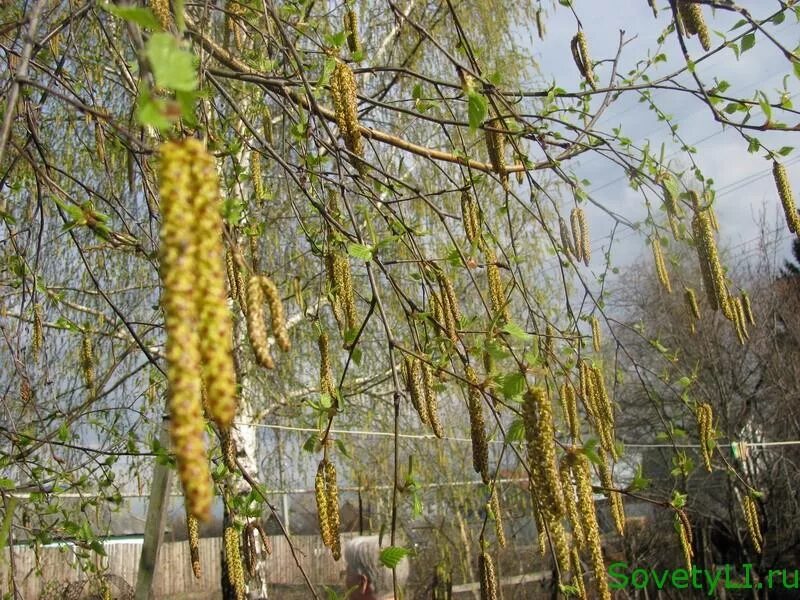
x,y
391,556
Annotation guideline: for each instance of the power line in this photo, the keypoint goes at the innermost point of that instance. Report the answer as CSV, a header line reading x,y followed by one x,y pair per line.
x,y
418,436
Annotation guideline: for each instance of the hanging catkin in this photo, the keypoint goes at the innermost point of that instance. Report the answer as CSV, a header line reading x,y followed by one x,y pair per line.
x,y
488,577
480,447
752,521
786,196
256,324
345,104
414,387
710,265
233,558
684,528
87,363
179,299
193,528
661,267
690,298
350,21
580,53
215,322
537,418
332,499
430,401
586,508
38,331
705,425
694,23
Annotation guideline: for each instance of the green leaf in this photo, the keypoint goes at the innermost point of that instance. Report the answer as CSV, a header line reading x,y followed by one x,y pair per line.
x,y
678,499
748,41
141,16
513,384
786,150
173,67
360,251
151,111
590,451
310,445
477,108
357,355
516,431
391,556
97,546
342,448
517,332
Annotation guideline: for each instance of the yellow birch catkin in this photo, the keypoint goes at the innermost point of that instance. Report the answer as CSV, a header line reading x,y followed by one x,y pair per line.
x,y
496,294
705,425
215,322
480,447
332,501
575,224
567,244
748,309
710,265
430,401
571,503
690,298
414,387
497,515
343,276
87,363
580,235
684,528
228,448
233,557
256,324
487,576
323,512
570,409
537,418
752,521
193,528
276,313
786,196
604,410
162,13
495,145
233,280
693,22
326,384
179,300
739,320
661,267
470,216
351,29
578,575
255,176
580,53
596,339
586,508
38,331
614,497
345,104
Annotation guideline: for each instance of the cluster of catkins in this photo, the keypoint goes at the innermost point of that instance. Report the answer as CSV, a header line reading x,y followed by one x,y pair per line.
x,y
326,493
197,321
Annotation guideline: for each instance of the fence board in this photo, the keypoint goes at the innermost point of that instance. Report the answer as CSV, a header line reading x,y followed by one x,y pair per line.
x,y
58,566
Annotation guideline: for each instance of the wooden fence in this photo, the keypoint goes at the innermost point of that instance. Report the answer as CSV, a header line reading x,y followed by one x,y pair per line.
x,y
42,573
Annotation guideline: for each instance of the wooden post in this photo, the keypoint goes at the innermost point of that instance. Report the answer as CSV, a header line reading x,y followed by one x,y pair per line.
x,y
154,525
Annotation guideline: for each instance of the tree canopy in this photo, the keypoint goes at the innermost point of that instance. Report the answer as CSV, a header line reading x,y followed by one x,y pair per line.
x,y
291,220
